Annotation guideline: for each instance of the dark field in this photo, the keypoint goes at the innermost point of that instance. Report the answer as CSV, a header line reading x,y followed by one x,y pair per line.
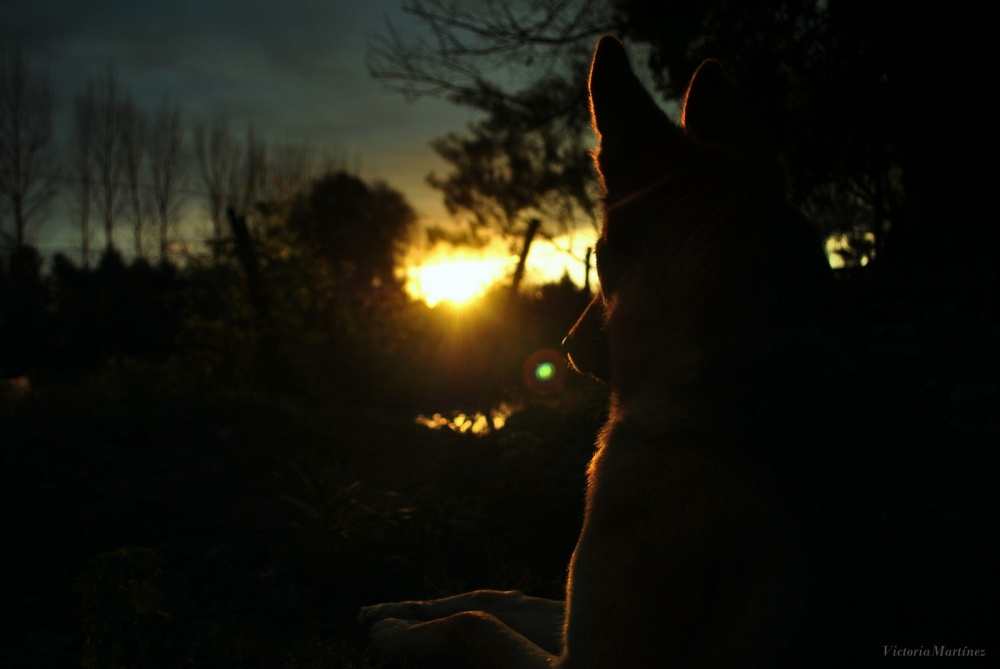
x,y
157,517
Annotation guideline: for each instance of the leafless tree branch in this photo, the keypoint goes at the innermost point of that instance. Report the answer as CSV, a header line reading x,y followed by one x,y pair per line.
x,y
27,184
105,149
216,153
132,156
82,165
463,52
168,171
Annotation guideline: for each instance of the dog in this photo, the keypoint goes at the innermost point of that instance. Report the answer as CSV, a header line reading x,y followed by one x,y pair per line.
x,y
727,523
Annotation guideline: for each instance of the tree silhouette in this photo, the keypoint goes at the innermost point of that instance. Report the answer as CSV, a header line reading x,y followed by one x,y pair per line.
x,y
82,185
846,89
217,155
358,229
525,162
23,317
133,155
168,171
470,50
105,149
232,173
26,161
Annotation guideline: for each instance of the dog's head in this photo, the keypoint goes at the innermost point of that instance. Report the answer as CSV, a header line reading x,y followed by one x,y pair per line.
x,y
700,254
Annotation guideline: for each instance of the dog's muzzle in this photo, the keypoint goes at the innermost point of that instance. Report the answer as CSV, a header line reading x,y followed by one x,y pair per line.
x,y
586,345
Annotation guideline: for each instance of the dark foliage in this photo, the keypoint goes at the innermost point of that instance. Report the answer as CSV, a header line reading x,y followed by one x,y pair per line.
x,y
881,102
878,109
357,228
181,504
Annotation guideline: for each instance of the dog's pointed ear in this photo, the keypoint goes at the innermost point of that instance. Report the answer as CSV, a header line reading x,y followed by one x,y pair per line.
x,y
619,105
713,112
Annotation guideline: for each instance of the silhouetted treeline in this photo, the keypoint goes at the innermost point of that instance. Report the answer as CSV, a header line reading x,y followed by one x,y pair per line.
x,y
73,316
331,328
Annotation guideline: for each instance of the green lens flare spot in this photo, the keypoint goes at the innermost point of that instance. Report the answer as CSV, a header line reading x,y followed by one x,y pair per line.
x,y
545,371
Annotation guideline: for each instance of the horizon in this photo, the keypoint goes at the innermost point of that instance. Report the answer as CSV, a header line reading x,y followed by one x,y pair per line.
x,y
296,75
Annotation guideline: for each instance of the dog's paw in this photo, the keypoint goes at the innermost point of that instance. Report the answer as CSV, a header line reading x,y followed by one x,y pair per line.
x,y
385,639
369,615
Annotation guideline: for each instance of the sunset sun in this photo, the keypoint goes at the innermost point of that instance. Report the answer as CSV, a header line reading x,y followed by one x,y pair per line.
x,y
458,280
459,276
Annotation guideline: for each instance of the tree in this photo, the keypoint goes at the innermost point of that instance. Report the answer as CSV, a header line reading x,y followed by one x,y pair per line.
x,y
842,86
233,174
357,229
247,179
82,166
23,313
470,53
525,164
527,160
167,170
27,174
216,153
289,169
105,149
133,155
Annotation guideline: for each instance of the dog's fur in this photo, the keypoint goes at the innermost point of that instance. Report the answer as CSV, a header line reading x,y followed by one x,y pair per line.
x,y
719,503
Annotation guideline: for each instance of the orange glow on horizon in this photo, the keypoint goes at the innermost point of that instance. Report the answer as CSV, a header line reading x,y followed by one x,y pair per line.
x,y
461,275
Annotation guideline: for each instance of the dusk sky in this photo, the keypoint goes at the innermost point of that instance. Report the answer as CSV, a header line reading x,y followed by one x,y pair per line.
x,y
294,69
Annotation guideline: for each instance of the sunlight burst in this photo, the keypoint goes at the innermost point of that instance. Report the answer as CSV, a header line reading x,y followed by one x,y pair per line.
x,y
455,280
460,275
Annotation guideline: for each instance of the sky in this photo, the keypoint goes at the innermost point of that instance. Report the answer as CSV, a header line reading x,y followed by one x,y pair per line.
x,y
294,69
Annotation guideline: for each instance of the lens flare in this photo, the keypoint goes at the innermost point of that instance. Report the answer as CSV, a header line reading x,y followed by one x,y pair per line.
x,y
544,372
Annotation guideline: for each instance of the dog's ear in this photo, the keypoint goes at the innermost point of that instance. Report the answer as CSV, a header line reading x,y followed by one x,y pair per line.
x,y
620,108
713,112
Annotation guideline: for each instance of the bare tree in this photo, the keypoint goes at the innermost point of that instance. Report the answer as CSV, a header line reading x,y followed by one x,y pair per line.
x,y
248,178
168,171
469,48
82,165
290,168
217,154
105,150
132,153
27,180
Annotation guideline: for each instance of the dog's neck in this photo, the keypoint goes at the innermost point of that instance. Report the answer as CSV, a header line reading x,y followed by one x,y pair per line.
x,y
728,386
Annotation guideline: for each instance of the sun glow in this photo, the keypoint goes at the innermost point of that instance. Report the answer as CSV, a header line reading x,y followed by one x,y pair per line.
x,y
460,275
458,280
